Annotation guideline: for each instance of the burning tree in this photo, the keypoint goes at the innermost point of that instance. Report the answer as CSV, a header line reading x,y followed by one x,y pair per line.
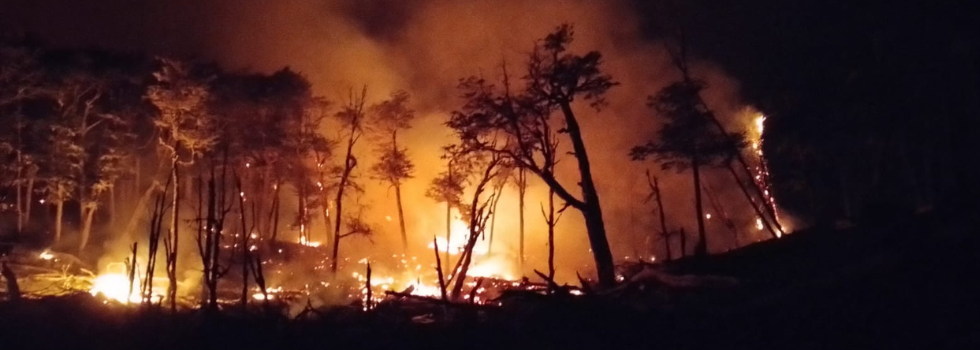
x,y
688,140
393,166
555,79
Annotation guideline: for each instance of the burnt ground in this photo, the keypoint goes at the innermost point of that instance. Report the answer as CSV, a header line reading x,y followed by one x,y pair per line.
x,y
896,283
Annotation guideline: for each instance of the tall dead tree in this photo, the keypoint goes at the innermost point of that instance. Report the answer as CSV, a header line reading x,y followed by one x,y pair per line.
x,y
351,117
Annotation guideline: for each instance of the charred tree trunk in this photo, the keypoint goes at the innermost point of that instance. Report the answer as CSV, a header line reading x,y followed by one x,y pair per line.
x,y
174,238
274,212
522,192
112,205
493,219
663,218
551,235
591,209
19,207
401,217
449,229
89,212
701,248
442,278
59,214
29,203
349,165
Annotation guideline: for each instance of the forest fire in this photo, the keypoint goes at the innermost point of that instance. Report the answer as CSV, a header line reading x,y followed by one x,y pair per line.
x,y
245,169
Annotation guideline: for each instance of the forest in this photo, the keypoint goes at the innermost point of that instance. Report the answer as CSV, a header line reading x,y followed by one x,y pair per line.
x,y
679,178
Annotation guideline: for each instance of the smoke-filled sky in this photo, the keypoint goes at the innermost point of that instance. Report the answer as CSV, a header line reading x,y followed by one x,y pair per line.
x,y
424,47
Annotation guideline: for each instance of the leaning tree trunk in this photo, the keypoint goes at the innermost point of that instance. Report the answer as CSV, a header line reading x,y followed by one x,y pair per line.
x,y
591,209
701,248
401,218
89,210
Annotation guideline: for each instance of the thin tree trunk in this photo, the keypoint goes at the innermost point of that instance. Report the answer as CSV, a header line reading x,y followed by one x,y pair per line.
x,y
449,229
275,213
19,208
30,200
522,192
336,232
401,218
663,218
442,279
58,216
551,235
175,239
112,205
89,211
493,219
701,248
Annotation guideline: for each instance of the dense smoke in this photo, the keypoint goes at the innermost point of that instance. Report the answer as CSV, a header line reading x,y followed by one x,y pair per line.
x,y
424,47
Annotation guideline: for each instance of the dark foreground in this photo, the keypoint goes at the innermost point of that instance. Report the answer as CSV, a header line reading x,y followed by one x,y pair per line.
x,y
909,283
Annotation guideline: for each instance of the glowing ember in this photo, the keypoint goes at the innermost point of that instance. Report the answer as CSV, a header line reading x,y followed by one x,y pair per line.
x,y
761,177
303,241
46,255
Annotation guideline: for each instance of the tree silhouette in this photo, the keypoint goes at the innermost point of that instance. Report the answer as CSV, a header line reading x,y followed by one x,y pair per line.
x,y
351,117
448,187
186,131
688,140
393,167
554,80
